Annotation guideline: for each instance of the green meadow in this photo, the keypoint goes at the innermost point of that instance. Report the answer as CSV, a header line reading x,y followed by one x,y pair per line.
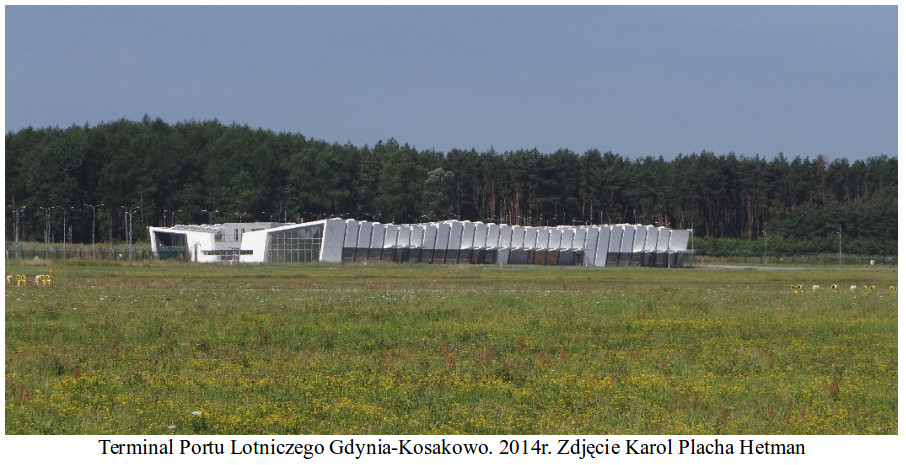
x,y
181,348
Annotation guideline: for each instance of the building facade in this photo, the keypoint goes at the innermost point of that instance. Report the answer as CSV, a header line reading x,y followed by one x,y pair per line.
x,y
452,241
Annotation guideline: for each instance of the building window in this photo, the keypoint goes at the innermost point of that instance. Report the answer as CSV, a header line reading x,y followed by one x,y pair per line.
x,y
226,255
171,245
301,244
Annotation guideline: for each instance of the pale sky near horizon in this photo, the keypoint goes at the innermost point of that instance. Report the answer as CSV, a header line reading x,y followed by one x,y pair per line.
x,y
634,80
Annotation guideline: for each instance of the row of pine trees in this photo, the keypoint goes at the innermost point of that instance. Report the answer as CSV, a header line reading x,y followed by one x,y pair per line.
x,y
154,173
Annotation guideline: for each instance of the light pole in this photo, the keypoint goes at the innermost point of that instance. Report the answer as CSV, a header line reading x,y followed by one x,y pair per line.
x,y
47,229
64,231
93,224
692,241
840,242
17,211
211,215
130,212
764,232
172,213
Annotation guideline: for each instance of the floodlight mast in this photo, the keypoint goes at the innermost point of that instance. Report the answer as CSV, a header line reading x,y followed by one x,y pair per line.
x,y
764,232
211,215
93,223
840,242
130,212
47,211
692,234
65,254
16,212
172,214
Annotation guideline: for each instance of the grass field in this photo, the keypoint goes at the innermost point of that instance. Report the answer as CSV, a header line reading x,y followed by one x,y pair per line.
x,y
160,348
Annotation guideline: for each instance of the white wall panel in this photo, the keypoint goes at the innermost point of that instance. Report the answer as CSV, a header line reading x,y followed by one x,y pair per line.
x,y
391,234
590,245
493,239
455,235
616,236
604,241
332,242
443,235
556,241
377,235
531,237
579,238
199,241
663,238
650,238
628,236
543,239
256,241
481,235
351,235
430,238
505,236
468,235
518,238
417,239
364,240
638,243
404,238
679,240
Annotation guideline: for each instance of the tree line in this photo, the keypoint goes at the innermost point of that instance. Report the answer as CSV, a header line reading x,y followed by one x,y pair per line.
x,y
119,177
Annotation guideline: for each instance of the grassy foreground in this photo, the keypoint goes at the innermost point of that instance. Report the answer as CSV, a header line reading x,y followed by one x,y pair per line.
x,y
159,348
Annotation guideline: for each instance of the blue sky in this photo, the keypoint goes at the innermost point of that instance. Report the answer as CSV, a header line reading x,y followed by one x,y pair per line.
x,y
635,80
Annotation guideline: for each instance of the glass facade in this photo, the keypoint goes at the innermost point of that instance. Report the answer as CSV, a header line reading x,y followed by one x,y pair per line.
x,y
300,244
171,246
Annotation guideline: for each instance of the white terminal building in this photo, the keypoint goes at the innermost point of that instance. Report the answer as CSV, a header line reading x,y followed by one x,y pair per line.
x,y
346,241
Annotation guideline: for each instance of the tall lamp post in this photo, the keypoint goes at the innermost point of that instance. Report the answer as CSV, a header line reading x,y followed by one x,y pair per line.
x,y
764,232
17,211
130,212
211,215
64,231
840,242
172,212
93,224
692,241
47,211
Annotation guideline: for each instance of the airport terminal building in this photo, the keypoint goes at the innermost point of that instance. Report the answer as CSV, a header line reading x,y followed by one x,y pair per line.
x,y
347,241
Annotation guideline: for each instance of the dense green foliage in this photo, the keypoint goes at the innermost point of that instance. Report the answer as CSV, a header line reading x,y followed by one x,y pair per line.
x,y
196,172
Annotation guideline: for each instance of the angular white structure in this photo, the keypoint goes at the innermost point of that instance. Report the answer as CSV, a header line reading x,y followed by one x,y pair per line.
x,y
337,240
482,234
602,247
677,246
660,250
613,248
590,245
430,241
455,242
